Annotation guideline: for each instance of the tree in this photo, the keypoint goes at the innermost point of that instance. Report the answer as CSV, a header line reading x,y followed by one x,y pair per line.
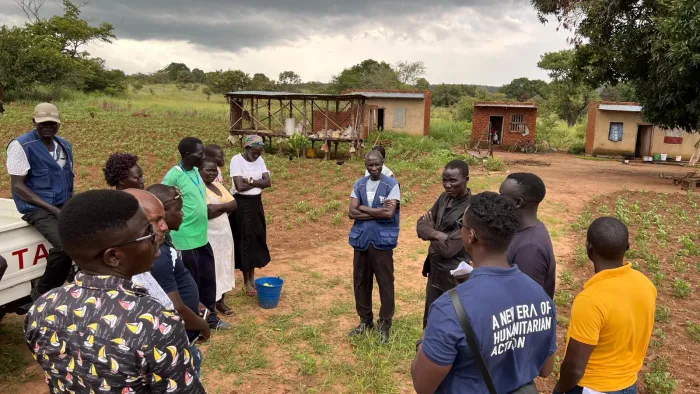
x,y
174,69
446,95
289,78
422,84
222,82
260,81
50,51
654,46
409,72
567,95
369,74
184,77
198,76
620,92
523,89
71,32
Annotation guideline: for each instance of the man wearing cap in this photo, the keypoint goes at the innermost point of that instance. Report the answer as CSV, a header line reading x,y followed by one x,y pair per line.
x,y
40,165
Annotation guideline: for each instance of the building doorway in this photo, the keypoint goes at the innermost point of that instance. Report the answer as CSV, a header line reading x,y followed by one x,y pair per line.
x,y
380,119
496,131
645,134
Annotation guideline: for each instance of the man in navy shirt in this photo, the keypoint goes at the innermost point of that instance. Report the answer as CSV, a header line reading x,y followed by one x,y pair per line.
x,y
512,317
531,248
171,274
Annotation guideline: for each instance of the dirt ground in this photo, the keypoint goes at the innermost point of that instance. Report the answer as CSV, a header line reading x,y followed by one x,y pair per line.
x,y
314,246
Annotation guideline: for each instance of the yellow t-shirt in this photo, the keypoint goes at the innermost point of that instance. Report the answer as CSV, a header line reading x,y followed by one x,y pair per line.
x,y
615,313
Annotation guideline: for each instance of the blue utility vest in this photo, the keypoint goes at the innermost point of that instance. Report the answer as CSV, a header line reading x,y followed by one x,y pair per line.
x,y
51,182
382,234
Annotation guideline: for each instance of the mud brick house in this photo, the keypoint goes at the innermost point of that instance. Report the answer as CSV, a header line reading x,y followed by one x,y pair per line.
x,y
616,128
395,110
511,121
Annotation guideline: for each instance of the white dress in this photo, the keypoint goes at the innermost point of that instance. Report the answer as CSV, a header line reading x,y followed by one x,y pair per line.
x,y
221,241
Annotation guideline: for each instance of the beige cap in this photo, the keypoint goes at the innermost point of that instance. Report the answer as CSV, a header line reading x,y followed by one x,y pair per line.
x,y
46,112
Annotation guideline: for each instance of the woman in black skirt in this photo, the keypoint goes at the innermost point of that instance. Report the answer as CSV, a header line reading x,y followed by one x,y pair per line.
x,y
250,176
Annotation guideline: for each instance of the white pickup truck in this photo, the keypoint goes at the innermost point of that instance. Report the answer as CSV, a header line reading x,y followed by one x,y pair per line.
x,y
26,252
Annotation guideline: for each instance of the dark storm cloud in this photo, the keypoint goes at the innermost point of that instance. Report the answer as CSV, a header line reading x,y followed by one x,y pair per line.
x,y
233,26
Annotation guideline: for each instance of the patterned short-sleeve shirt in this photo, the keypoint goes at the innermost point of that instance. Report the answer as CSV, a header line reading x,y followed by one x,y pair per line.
x,y
103,334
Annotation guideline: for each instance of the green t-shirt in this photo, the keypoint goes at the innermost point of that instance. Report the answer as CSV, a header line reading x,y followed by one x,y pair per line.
x,y
193,231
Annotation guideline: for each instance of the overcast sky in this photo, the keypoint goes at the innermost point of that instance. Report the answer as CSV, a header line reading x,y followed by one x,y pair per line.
x,y
468,41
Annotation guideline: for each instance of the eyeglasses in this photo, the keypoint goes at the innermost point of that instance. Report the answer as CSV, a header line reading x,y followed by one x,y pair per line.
x,y
151,235
178,195
460,223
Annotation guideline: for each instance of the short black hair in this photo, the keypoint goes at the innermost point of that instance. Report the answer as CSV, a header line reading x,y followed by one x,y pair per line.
x,y
162,192
88,218
531,185
117,166
188,145
374,152
460,165
211,148
494,219
608,237
208,159
380,149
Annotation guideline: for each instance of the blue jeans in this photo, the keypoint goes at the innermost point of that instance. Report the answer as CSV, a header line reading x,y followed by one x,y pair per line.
x,y
196,359
579,390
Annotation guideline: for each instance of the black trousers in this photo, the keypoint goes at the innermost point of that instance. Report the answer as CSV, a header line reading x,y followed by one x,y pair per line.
x,y
432,293
200,263
58,263
366,265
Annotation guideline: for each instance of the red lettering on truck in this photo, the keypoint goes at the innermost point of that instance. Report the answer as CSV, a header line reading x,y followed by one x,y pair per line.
x,y
41,253
20,256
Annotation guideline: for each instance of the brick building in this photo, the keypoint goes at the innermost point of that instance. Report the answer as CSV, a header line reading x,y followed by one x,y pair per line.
x,y
511,122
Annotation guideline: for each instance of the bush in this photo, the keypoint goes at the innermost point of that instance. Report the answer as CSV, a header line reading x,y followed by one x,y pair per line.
x,y
658,380
681,288
577,148
494,164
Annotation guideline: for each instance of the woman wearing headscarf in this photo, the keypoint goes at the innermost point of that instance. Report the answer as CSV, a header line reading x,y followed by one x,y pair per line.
x,y
250,176
122,171
220,204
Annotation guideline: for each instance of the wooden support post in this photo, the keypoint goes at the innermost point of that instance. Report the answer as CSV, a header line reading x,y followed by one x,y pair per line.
x,y
328,149
336,149
303,128
269,115
325,126
282,117
254,105
312,117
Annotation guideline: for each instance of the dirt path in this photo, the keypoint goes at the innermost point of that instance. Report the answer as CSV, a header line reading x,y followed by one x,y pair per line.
x,y
313,256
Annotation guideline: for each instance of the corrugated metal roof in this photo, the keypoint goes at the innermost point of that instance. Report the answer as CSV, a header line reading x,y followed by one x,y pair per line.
x,y
621,108
367,95
410,96
502,105
293,96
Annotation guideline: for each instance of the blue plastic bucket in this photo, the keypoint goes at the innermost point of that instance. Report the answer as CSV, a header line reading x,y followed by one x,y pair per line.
x,y
269,290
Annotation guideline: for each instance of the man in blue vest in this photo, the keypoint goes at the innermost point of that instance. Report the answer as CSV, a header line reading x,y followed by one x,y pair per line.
x,y
40,165
374,205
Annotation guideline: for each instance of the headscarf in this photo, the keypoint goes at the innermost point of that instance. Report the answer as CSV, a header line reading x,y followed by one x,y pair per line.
x,y
254,141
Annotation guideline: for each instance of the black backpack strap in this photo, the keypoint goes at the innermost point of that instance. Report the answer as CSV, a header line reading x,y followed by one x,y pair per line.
x,y
471,340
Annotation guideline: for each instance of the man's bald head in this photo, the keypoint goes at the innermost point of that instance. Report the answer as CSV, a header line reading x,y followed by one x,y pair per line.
x,y
153,208
374,154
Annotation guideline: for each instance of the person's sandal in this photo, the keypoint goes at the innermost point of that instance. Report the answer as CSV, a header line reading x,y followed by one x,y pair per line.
x,y
223,308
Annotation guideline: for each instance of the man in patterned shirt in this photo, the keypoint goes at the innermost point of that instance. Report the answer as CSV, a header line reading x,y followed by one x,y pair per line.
x,y
103,333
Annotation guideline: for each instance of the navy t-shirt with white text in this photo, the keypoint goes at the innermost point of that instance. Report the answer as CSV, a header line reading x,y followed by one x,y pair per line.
x,y
515,325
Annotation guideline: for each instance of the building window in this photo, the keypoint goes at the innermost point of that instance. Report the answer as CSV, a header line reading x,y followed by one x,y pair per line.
x,y
517,123
615,133
399,118
674,136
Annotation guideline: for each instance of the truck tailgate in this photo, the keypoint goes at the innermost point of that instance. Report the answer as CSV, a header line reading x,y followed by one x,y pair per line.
x,y
25,251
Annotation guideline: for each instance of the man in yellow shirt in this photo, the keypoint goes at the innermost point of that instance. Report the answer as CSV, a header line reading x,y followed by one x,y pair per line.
x,y
611,319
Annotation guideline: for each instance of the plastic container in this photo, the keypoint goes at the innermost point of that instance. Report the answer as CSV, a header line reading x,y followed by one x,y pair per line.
x,y
679,158
664,156
269,290
657,156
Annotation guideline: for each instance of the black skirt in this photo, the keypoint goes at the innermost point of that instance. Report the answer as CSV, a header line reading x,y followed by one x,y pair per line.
x,y
249,233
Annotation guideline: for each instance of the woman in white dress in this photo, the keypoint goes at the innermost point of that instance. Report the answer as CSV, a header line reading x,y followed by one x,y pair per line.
x,y
220,204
